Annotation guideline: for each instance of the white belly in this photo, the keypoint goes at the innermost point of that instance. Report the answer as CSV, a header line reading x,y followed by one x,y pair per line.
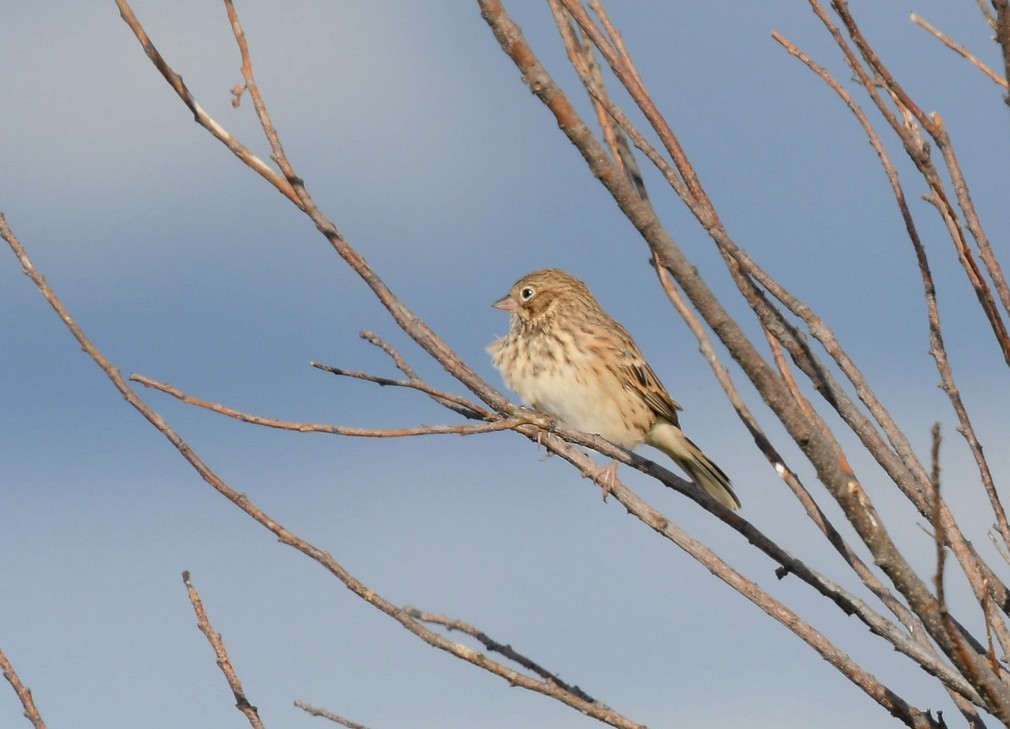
x,y
582,398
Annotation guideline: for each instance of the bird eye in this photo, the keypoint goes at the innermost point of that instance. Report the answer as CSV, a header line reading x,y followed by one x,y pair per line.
x,y
526,294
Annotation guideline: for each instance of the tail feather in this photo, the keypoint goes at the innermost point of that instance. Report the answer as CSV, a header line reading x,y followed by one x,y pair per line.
x,y
670,439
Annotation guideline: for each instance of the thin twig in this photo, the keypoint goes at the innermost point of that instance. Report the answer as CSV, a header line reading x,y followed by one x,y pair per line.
x,y
962,548
496,647
718,368
223,662
615,37
919,154
938,537
498,424
401,364
1000,547
421,334
853,499
24,693
411,324
975,568
1001,25
202,118
961,51
986,10
934,471
987,616
286,537
323,713
971,666
745,272
457,404
583,59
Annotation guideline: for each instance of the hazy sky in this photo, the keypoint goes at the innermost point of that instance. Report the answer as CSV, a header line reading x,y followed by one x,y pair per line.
x,y
415,135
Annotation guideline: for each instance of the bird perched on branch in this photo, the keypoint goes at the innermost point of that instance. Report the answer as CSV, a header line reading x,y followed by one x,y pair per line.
x,y
568,358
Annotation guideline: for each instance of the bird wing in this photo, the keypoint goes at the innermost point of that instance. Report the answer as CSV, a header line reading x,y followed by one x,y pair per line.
x,y
647,384
639,377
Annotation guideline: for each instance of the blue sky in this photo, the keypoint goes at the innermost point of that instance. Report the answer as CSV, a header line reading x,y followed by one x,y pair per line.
x,y
415,135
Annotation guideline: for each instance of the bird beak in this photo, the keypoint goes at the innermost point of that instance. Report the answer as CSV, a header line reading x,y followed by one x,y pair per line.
x,y
506,303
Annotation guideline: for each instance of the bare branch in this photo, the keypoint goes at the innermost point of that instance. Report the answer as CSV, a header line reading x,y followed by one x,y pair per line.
x,y
323,713
976,676
846,490
961,51
496,647
1001,24
720,370
288,538
24,693
980,576
913,489
745,272
398,360
919,154
962,548
496,425
455,403
772,607
223,662
583,59
631,501
201,117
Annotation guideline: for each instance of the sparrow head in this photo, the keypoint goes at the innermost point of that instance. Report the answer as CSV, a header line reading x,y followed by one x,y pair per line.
x,y
539,296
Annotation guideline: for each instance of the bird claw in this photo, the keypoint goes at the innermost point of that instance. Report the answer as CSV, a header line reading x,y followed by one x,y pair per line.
x,y
605,476
550,426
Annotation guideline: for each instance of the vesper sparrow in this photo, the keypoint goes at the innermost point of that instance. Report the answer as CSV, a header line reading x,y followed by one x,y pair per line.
x,y
568,358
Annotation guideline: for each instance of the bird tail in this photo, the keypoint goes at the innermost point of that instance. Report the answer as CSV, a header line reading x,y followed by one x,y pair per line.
x,y
670,439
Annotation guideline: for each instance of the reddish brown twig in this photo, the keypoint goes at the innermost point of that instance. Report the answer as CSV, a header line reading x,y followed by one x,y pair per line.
x,y
820,457
498,424
961,51
614,36
1001,24
717,367
919,154
962,548
746,272
583,59
629,499
290,539
202,118
979,572
856,504
223,662
24,693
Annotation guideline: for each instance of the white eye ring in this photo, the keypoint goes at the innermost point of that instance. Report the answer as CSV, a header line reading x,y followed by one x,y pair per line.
x,y
527,293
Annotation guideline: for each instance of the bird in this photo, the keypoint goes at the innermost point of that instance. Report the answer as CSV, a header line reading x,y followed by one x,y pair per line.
x,y
568,358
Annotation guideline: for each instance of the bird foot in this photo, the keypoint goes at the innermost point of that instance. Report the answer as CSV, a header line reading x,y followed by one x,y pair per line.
x,y
605,476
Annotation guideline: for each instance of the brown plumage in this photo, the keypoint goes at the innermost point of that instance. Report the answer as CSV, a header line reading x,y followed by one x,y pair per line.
x,y
568,358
